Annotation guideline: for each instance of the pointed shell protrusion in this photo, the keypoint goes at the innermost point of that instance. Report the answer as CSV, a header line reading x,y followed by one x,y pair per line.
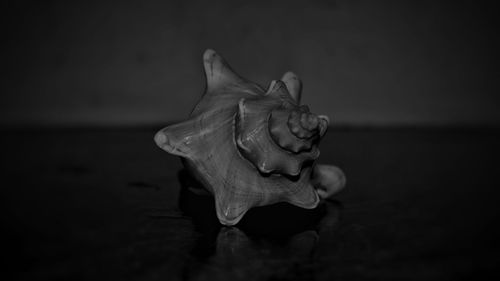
x,y
217,71
294,85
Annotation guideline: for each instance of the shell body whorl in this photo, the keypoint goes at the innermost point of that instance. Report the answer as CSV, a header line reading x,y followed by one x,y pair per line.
x,y
248,147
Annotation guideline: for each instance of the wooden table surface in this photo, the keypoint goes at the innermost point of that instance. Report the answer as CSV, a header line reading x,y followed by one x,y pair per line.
x,y
99,204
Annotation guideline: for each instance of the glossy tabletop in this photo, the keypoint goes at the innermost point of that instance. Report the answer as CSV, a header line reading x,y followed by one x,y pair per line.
x,y
99,204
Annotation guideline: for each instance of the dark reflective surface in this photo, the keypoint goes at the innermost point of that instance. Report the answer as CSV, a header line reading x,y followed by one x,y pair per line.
x,y
106,205
281,235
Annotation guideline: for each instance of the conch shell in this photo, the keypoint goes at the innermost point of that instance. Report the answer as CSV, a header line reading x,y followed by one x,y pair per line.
x,y
251,147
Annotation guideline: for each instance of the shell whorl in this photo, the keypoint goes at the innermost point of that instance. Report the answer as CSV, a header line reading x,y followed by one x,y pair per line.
x,y
276,134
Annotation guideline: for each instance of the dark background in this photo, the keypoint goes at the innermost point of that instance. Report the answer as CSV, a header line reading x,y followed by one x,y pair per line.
x,y
139,62
411,86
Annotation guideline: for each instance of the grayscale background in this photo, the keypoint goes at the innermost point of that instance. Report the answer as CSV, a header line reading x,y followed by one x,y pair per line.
x,y
380,63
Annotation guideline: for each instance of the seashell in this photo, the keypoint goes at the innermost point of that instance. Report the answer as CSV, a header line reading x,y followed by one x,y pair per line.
x,y
251,147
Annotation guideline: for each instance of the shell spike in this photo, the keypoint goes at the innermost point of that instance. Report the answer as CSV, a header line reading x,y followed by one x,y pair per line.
x,y
176,139
231,212
218,74
217,71
293,84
